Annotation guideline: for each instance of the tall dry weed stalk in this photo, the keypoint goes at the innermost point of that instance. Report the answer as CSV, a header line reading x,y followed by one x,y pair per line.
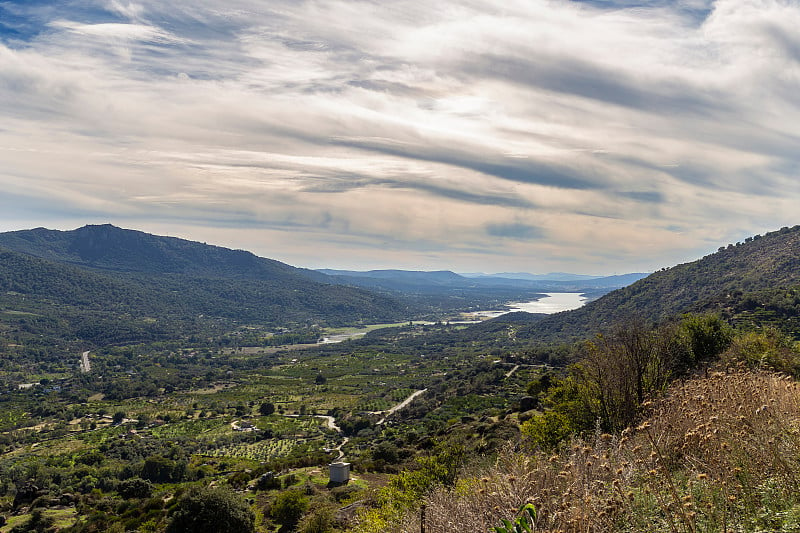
x,y
718,453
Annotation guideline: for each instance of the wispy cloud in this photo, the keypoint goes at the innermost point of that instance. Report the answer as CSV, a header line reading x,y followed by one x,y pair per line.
x,y
595,135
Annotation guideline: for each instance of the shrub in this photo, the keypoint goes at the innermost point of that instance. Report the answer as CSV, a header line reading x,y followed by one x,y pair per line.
x,y
319,520
288,508
769,349
547,430
135,488
717,453
212,509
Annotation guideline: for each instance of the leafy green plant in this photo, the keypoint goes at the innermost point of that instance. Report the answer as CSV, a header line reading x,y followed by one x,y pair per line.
x,y
524,521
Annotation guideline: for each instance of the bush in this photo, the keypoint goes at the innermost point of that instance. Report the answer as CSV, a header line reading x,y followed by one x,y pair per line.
x,y
135,488
768,349
162,470
320,520
288,508
210,510
547,430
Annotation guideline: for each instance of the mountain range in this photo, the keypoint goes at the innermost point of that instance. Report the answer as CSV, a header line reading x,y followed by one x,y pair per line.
x,y
420,281
106,284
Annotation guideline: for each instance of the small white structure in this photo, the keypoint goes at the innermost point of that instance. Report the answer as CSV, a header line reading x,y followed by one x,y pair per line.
x,y
339,472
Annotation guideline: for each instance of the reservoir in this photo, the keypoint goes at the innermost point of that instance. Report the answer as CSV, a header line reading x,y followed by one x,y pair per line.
x,y
552,302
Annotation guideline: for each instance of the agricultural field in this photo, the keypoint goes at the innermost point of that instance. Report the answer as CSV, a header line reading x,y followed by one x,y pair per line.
x,y
176,415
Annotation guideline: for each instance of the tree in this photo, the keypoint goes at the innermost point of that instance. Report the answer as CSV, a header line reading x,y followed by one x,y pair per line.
x,y
212,509
267,408
386,452
159,469
288,508
620,370
707,335
135,487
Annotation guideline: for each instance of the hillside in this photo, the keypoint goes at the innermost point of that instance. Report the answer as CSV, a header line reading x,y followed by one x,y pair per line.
x,y
124,444
237,285
105,284
107,247
716,282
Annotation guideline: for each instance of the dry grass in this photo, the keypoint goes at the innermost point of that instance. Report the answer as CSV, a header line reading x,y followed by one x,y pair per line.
x,y
718,453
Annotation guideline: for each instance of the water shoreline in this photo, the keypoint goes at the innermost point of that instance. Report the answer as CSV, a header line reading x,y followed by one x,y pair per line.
x,y
552,302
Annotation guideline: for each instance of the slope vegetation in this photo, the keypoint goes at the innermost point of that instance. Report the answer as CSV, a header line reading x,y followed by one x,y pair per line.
x,y
716,282
107,247
101,279
722,463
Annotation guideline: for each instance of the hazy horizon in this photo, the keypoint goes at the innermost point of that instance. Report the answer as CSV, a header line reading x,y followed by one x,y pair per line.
x,y
591,137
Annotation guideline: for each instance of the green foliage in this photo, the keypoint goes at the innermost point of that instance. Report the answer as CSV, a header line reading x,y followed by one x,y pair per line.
x,y
162,470
135,488
289,507
712,284
37,523
707,336
320,520
768,349
540,384
406,490
525,521
211,509
548,430
618,372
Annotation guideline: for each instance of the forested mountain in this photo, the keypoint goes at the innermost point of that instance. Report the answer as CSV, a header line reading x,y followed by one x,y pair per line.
x,y
107,247
722,282
105,284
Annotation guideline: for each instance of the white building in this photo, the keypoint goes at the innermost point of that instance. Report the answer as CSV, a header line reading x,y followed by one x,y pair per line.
x,y
339,472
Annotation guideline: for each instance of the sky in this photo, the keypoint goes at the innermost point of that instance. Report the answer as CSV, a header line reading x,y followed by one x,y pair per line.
x,y
594,137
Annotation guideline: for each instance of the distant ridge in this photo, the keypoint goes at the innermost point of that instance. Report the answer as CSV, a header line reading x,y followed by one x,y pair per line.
x,y
552,276
409,280
441,276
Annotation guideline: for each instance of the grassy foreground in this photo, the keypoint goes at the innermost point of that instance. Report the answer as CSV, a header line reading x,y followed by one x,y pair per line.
x,y
720,452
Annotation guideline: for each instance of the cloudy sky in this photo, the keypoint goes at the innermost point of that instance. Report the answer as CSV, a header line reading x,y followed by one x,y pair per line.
x,y
496,135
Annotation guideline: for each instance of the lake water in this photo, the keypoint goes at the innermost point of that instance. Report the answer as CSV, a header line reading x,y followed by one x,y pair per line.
x,y
554,302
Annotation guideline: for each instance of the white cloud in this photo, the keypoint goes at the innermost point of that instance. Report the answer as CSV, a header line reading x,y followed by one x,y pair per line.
x,y
400,132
